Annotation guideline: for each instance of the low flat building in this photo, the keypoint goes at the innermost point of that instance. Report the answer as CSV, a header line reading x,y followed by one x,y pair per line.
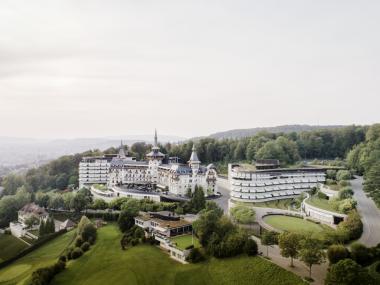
x,y
163,223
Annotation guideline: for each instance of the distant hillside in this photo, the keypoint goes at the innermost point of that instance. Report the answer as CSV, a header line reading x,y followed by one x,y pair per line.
x,y
240,133
27,152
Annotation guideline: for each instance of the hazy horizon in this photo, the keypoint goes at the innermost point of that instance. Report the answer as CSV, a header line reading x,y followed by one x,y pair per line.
x,y
89,69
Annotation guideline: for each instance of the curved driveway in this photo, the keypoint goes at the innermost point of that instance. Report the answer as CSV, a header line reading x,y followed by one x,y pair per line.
x,y
369,212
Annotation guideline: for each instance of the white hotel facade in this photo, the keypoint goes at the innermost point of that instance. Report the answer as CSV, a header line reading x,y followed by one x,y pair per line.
x,y
170,177
262,185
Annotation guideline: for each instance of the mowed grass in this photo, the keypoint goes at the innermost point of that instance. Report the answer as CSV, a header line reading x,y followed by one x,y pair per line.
x,y
21,270
186,240
321,203
293,224
283,204
106,263
10,246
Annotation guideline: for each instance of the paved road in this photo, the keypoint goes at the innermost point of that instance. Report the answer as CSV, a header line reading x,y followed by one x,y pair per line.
x,y
369,212
225,191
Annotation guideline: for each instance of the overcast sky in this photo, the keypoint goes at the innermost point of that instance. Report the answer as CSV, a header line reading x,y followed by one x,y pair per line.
x,y
100,68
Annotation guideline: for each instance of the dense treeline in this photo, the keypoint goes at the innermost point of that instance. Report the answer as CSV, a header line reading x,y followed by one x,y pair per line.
x,y
365,159
288,148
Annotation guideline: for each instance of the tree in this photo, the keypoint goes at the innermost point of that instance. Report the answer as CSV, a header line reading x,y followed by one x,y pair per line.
x,y
353,226
198,201
56,201
78,202
343,175
347,272
89,233
337,252
11,183
33,220
289,244
250,247
99,204
269,238
129,211
41,230
81,225
311,252
243,214
361,254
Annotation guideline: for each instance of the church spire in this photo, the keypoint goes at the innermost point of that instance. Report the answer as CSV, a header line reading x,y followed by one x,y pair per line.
x,y
155,137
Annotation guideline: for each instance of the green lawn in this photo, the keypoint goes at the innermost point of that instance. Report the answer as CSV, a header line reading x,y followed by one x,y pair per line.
x,y
20,271
185,241
106,263
320,203
10,246
277,204
293,224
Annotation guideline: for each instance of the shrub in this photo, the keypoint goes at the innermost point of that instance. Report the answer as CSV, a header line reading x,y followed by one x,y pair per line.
x,y
346,272
43,276
361,254
250,247
343,175
89,233
76,253
344,183
331,174
337,252
195,256
85,246
78,241
347,205
345,192
352,226
322,195
243,214
330,182
63,258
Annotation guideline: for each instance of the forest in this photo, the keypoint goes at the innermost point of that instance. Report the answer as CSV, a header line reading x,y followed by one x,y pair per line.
x,y
358,147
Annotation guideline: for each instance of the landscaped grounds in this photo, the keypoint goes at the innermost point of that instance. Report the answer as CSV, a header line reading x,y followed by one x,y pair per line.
x,y
294,224
284,204
10,246
185,241
106,263
20,271
320,203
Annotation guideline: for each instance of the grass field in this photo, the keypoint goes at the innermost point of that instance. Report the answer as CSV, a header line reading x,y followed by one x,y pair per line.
x,y
320,203
185,241
20,271
106,263
293,224
283,204
10,246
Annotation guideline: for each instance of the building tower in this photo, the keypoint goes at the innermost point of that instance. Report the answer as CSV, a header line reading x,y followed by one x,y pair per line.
x,y
194,161
122,153
155,158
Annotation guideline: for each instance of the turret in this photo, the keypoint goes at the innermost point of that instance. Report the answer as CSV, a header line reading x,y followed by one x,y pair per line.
x,y
121,151
194,161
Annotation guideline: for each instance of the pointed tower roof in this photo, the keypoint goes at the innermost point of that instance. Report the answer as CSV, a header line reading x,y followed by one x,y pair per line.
x,y
122,151
155,153
194,157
